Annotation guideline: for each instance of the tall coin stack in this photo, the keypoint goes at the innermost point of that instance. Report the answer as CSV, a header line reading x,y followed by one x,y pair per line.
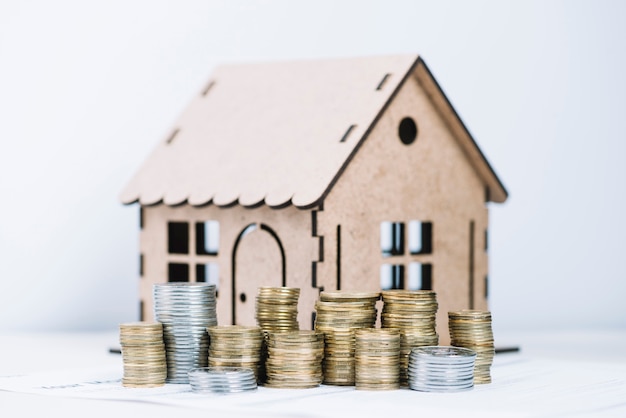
x,y
338,315
235,346
472,329
143,354
413,312
377,357
294,359
277,309
185,310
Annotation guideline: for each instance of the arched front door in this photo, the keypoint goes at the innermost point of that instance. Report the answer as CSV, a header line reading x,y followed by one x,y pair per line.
x,y
258,260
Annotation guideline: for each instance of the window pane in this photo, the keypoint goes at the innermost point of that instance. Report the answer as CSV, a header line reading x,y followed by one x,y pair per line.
x,y
397,275
178,237
391,276
420,237
208,273
415,237
391,238
420,276
207,237
415,276
177,272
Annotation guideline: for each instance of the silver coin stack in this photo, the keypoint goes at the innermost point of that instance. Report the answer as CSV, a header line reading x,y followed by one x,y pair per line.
x,y
222,379
185,310
441,369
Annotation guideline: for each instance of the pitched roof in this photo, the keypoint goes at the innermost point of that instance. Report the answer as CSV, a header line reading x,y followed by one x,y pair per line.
x,y
281,133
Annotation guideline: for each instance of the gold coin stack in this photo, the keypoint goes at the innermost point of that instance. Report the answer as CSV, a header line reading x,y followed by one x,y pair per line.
x,y
143,354
413,312
235,346
277,309
294,359
472,329
377,359
338,315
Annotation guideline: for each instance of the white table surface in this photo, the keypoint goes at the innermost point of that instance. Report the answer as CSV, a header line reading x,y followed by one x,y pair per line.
x,y
570,358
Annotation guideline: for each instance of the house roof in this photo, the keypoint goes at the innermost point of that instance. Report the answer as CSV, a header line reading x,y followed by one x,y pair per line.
x,y
282,133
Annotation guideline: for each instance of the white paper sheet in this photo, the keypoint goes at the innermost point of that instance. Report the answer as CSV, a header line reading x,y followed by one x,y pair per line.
x,y
522,387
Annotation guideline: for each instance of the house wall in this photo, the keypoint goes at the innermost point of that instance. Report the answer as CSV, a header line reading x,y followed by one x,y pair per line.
x,y
293,227
428,180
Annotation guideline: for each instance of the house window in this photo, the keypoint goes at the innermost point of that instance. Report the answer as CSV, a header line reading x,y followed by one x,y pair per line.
x,y
206,243
207,237
418,238
178,237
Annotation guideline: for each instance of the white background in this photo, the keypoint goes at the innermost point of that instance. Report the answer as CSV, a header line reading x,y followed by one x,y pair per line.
x,y
87,89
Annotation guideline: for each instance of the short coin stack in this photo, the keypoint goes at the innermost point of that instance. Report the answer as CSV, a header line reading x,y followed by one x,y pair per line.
x,y
222,380
235,346
294,359
413,312
441,369
185,310
338,315
472,329
377,357
277,308
143,354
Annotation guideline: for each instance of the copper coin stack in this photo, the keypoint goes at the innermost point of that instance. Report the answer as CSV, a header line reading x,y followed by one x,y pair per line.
x,y
235,346
472,329
294,359
413,312
377,357
143,354
338,315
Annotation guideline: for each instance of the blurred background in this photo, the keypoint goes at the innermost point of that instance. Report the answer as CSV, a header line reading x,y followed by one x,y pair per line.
x,y
87,89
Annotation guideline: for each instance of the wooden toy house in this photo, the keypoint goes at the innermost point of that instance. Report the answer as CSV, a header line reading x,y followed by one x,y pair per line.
x,y
351,174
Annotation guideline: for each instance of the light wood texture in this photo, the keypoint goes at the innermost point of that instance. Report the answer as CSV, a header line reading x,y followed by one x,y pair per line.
x,y
272,133
308,153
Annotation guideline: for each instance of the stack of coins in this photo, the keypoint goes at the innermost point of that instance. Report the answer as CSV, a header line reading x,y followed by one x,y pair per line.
x,y
294,359
441,369
413,313
143,354
185,310
472,329
377,357
338,315
222,379
235,346
277,309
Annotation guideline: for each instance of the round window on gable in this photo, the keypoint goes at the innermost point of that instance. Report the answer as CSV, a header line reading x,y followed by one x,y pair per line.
x,y
407,131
